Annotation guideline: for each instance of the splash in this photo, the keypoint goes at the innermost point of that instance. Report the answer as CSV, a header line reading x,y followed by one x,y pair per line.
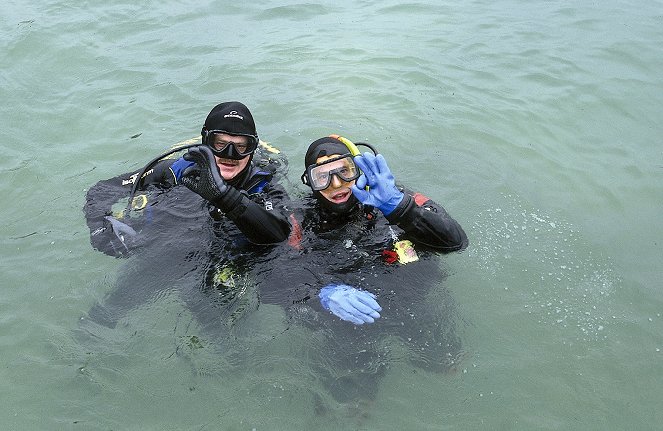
x,y
546,267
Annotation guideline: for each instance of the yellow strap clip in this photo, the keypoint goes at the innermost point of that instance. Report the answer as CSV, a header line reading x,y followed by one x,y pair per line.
x,y
405,251
139,202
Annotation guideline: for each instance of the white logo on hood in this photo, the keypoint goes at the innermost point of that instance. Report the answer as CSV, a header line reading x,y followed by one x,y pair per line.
x,y
233,114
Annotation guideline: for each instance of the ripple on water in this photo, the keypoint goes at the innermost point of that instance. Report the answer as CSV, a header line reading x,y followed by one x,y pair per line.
x,y
546,265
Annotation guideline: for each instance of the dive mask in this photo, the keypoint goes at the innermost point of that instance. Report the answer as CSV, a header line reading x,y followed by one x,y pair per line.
x,y
319,176
229,150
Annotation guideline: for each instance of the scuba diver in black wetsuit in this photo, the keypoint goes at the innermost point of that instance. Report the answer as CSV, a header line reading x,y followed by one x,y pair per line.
x,y
368,257
233,186
239,210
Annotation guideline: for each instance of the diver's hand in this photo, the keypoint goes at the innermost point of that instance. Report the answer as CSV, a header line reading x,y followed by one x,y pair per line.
x,y
205,179
125,233
350,304
382,192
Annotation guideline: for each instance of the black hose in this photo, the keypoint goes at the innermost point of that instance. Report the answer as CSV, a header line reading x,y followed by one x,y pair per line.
x,y
147,167
369,146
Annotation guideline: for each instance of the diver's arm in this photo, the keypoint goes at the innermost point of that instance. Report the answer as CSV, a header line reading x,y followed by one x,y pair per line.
x,y
101,219
259,222
260,218
105,207
422,219
427,223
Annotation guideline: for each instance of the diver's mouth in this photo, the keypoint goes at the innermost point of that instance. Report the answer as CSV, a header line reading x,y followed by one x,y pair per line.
x,y
228,162
340,196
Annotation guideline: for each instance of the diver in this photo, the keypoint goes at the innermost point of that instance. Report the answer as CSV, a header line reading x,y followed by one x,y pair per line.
x,y
363,254
237,209
348,188
221,170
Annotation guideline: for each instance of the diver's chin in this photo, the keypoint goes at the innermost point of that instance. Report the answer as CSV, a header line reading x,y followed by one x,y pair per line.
x,y
339,206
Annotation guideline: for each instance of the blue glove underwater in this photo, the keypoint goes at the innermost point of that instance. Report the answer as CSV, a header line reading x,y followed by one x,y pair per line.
x,y
382,192
350,304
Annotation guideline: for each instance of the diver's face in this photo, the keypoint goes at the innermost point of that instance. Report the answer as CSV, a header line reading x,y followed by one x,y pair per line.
x,y
339,190
229,168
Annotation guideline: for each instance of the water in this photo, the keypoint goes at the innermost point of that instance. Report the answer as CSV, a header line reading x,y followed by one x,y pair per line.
x,y
536,124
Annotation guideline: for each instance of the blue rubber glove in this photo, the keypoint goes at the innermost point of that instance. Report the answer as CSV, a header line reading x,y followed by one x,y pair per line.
x,y
382,192
350,304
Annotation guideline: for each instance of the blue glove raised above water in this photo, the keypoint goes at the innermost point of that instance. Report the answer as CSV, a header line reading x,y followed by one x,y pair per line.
x,y
382,192
350,304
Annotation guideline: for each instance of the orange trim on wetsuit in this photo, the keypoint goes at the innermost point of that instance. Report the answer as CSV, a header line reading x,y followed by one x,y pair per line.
x,y
420,199
295,238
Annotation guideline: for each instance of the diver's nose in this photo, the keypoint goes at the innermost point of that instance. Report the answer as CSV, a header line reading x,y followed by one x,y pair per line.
x,y
336,181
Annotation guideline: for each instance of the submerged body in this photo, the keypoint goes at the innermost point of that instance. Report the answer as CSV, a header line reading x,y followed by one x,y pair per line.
x,y
357,250
220,274
370,249
230,200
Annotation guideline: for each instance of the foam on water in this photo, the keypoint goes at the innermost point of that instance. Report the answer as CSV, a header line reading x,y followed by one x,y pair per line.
x,y
545,263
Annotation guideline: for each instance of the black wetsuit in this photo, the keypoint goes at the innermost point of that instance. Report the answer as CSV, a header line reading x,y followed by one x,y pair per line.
x,y
222,280
256,217
345,248
178,233
357,250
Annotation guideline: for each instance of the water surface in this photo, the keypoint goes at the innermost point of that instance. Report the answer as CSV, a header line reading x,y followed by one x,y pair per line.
x,y
535,124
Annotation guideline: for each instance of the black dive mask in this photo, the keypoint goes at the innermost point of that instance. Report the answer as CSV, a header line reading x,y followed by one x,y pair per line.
x,y
229,150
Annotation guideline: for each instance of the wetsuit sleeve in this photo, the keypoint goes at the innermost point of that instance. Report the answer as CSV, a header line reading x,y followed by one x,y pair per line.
x,y
260,216
109,198
426,222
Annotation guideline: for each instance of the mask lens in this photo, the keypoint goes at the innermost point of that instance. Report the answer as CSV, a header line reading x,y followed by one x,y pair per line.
x,y
320,176
223,147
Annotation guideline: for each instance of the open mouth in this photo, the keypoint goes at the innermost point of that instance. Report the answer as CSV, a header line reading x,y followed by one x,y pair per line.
x,y
340,196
